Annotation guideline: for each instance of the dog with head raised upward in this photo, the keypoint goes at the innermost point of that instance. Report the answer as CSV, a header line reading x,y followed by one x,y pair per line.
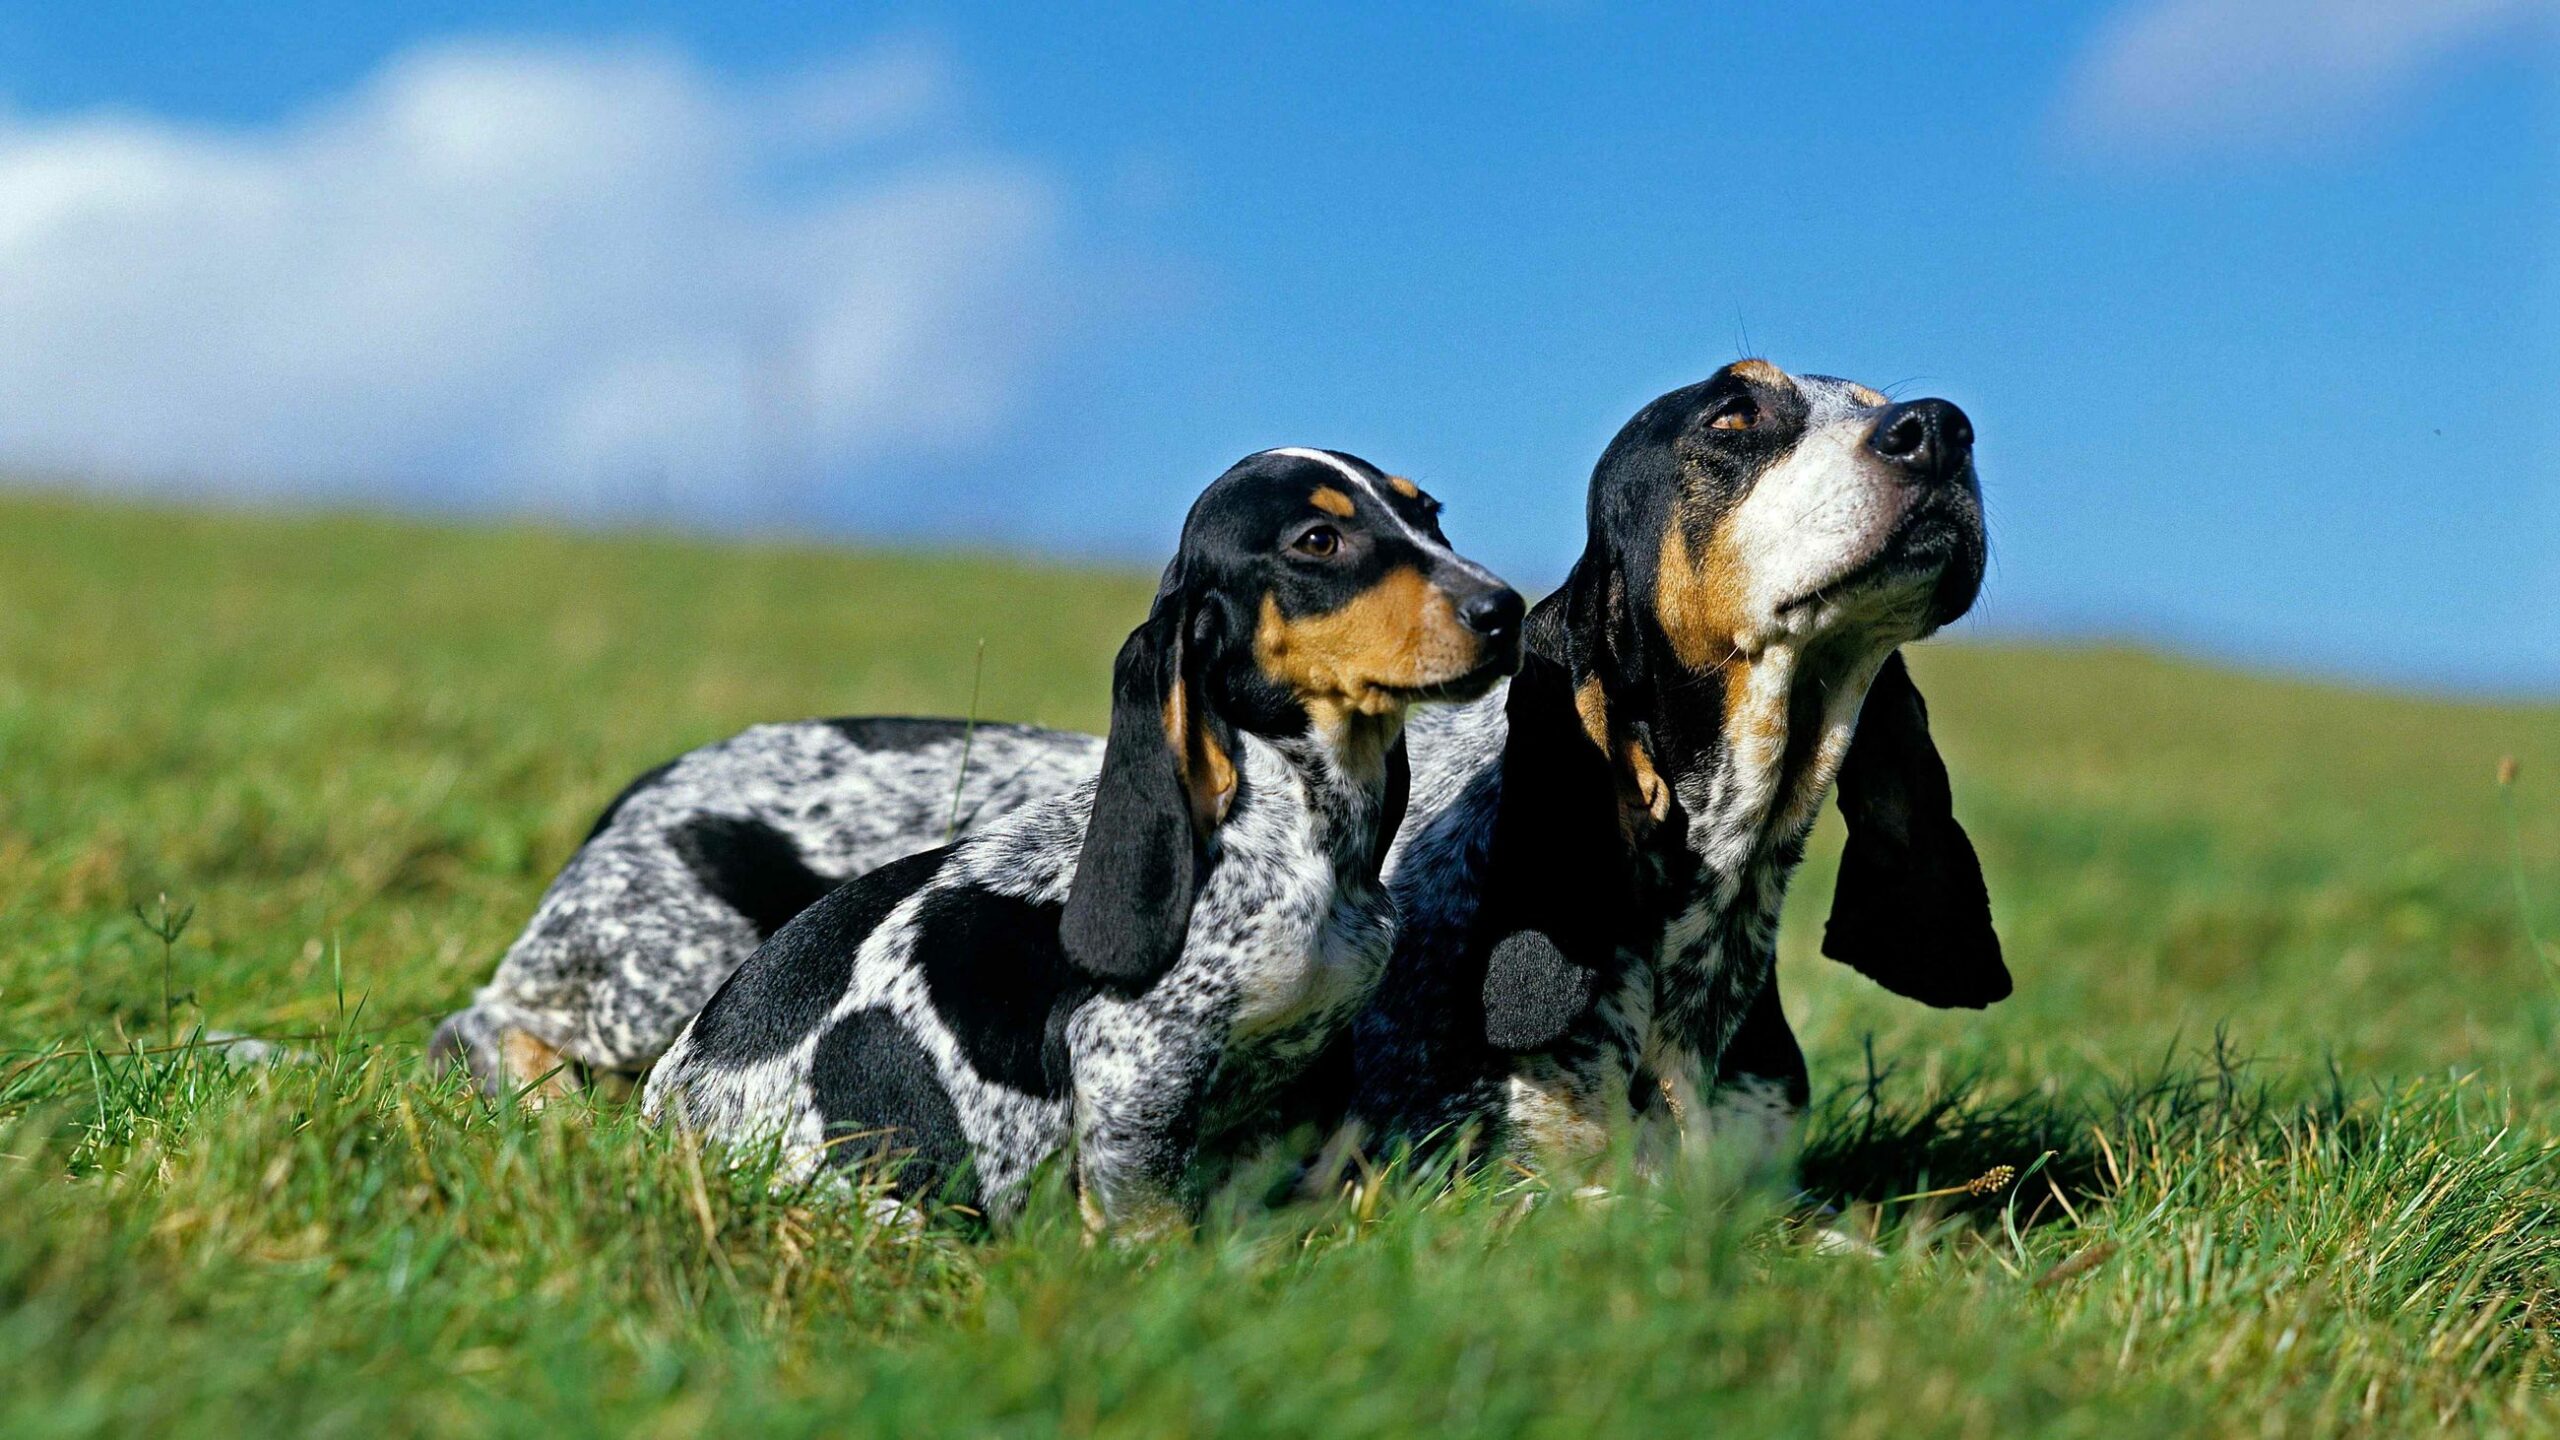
x,y
1152,956
1591,909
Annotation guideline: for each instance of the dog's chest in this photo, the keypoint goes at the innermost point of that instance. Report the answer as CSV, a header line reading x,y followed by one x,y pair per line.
x,y
1719,890
1297,929
1308,951
1306,948
1678,1001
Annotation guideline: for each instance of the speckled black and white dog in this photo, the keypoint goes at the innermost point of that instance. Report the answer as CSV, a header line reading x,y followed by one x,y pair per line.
x,y
1630,807
1151,957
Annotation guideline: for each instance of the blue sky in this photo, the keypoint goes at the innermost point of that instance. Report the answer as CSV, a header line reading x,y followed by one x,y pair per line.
x,y
2254,303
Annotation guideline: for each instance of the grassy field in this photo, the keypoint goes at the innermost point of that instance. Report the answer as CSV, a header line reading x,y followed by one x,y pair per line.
x,y
2278,1077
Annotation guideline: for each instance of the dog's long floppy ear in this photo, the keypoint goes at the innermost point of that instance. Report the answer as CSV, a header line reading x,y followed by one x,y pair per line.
x,y
1910,911
1556,881
1168,779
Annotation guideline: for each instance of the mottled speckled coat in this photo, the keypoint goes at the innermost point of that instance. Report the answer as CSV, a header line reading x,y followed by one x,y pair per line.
x,y
1287,939
1590,924
701,859
1148,959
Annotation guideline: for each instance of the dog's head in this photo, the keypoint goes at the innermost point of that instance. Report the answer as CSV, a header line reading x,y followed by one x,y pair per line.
x,y
1753,515
1313,595
1758,508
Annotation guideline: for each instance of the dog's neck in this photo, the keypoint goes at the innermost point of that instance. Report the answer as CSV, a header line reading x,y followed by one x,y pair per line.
x,y
1723,767
1752,791
1719,774
1345,776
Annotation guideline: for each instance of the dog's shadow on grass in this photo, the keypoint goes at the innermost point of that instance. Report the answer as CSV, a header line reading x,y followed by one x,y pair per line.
x,y
1971,1143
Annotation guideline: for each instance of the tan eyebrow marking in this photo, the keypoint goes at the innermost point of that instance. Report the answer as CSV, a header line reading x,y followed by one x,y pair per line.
x,y
1404,487
1331,501
1865,396
1759,372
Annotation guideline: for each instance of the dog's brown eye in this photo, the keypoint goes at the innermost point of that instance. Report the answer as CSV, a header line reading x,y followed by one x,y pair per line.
x,y
1737,413
1318,540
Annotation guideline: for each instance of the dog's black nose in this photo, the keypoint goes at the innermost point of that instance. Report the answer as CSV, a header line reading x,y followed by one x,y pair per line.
x,y
1929,438
1494,612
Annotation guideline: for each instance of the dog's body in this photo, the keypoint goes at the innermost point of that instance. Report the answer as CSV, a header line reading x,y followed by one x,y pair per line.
x,y
1590,870
1151,957
700,860
948,1013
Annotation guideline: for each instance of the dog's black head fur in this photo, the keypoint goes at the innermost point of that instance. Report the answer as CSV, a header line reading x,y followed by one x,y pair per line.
x,y
1313,596
1760,543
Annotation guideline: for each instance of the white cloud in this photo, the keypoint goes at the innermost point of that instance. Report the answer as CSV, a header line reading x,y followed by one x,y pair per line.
x,y
2180,74
520,276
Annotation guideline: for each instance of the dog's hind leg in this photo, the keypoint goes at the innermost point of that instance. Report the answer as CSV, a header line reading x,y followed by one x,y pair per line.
x,y
501,1052
625,947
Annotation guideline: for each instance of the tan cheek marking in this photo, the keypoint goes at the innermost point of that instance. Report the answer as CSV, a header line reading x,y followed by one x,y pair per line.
x,y
1698,601
1404,487
1758,371
1865,396
1331,501
1399,634
1701,612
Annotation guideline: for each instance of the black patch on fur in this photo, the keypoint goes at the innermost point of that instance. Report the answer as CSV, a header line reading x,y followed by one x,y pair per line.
x,y
787,988
1002,983
643,781
1531,992
750,867
882,1101
899,734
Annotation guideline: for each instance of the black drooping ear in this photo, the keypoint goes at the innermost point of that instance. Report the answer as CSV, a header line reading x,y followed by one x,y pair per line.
x,y
1168,779
1910,911
1556,881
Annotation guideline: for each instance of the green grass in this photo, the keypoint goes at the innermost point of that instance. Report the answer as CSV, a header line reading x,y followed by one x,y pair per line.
x,y
2278,1071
